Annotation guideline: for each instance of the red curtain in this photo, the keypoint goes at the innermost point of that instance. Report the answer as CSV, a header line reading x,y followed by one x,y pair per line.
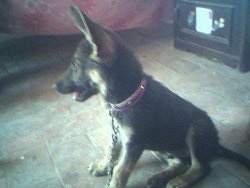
x,y
52,17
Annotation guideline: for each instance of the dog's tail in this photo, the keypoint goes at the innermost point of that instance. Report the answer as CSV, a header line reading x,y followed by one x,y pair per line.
x,y
226,153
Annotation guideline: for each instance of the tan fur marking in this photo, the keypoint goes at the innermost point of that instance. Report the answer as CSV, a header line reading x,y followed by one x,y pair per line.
x,y
95,76
126,133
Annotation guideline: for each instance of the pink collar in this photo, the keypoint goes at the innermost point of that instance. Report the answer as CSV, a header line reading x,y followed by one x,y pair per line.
x,y
133,99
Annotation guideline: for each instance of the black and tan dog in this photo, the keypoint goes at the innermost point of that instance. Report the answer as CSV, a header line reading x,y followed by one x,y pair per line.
x,y
150,116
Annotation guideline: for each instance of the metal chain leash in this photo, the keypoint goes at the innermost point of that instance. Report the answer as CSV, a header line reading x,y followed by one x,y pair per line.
x,y
115,129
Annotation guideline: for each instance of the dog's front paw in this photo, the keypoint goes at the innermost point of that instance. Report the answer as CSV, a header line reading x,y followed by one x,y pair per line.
x,y
154,184
157,181
98,168
177,183
116,184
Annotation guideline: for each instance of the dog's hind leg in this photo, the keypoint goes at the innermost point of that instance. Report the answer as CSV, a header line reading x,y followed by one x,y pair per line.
x,y
175,167
186,179
198,164
129,157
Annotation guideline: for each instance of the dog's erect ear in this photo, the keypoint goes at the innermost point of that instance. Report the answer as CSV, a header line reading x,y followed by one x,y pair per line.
x,y
82,25
102,45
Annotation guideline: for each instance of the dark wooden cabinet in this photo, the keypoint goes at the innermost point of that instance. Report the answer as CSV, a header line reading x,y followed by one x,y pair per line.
x,y
218,29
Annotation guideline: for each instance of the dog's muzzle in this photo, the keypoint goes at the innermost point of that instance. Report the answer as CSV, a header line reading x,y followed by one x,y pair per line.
x,y
79,93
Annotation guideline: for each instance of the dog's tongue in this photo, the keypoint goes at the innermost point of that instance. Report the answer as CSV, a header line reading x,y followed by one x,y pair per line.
x,y
76,95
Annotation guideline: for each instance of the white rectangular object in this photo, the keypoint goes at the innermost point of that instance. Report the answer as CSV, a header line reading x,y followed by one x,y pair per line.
x,y
204,20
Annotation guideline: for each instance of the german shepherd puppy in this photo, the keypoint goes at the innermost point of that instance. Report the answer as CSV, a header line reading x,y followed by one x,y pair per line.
x,y
150,116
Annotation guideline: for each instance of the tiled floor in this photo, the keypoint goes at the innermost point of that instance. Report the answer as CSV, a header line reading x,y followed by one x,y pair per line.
x,y
47,140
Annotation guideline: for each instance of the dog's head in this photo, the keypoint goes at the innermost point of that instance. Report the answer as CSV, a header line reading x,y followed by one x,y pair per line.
x,y
90,62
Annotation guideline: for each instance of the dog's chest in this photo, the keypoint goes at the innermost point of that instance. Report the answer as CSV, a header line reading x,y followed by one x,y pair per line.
x,y
126,133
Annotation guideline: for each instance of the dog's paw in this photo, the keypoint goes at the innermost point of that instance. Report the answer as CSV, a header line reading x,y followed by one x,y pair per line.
x,y
116,184
98,168
156,181
177,183
153,183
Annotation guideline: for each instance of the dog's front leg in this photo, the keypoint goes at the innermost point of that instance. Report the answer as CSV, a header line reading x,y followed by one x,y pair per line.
x,y
129,156
100,167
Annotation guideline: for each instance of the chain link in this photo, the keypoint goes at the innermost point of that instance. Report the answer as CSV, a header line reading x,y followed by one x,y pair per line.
x,y
114,136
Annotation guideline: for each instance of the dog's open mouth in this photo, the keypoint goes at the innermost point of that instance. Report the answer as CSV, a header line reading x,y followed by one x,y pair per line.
x,y
81,94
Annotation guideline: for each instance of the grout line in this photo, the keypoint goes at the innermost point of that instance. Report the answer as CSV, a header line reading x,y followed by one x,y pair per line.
x,y
235,175
51,158
94,145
